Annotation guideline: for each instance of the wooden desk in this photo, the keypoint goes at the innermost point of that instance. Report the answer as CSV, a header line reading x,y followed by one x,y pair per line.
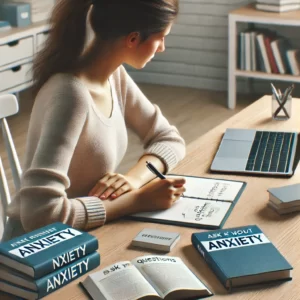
x,y
283,231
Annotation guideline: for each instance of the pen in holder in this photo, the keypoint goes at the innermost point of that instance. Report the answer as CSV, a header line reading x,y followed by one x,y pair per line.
x,y
281,103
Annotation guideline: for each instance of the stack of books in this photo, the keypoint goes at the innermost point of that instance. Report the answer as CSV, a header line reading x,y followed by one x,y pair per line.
x,y
42,261
277,5
285,199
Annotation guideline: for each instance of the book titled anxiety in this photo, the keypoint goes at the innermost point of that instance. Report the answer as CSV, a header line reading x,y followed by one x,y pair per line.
x,y
46,250
27,288
242,256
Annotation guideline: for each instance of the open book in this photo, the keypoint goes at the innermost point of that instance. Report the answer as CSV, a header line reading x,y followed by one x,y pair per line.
x,y
146,277
206,203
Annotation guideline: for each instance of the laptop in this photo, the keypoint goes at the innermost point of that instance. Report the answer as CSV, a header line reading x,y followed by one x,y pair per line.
x,y
253,151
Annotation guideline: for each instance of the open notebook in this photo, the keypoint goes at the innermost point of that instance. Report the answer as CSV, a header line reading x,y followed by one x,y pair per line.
x,y
206,203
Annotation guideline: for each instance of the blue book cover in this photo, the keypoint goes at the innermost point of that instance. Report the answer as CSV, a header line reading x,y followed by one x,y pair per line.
x,y
241,256
47,249
55,280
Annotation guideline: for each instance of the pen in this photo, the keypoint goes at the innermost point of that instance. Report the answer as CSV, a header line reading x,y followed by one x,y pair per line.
x,y
154,170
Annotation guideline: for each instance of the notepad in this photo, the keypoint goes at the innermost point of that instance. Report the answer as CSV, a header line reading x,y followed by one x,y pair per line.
x,y
206,203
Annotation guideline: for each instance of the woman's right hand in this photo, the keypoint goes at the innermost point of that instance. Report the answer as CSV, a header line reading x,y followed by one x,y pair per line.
x,y
160,194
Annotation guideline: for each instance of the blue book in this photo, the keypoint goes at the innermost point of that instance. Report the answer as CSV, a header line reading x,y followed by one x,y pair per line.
x,y
47,249
53,281
242,256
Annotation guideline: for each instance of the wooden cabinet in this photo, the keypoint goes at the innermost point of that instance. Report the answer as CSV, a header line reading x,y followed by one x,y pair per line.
x,y
17,49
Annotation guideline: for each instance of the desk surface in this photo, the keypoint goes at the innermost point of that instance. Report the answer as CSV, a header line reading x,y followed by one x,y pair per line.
x,y
283,231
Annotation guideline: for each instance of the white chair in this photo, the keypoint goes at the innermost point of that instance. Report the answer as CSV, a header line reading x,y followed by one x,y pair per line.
x,y
8,106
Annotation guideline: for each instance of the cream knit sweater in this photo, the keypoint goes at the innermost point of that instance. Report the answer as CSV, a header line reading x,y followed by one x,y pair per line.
x,y
71,145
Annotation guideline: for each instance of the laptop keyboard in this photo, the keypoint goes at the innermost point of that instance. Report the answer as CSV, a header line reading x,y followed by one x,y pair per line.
x,y
271,152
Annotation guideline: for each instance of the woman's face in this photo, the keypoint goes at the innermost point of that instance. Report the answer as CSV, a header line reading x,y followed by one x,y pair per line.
x,y
146,50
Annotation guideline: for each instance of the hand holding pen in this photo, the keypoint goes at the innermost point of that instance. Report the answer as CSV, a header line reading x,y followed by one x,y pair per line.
x,y
156,172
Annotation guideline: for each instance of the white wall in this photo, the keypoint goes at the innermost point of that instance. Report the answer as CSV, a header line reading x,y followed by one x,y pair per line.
x,y
196,49
196,54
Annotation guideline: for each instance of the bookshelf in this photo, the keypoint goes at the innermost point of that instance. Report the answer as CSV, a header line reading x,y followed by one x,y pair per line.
x,y
248,14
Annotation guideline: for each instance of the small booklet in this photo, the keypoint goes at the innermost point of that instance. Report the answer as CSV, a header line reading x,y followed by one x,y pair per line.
x,y
146,277
206,203
156,239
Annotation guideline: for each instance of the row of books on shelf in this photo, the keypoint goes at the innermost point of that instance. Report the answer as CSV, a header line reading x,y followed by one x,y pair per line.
x,y
40,262
265,51
277,5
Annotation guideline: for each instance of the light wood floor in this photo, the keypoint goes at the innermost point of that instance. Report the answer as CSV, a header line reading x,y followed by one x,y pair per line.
x,y
192,111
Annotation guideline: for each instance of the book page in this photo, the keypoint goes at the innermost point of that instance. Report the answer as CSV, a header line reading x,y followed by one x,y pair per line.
x,y
190,210
122,281
167,274
211,189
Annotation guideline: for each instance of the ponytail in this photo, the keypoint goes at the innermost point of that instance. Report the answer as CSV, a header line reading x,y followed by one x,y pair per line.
x,y
109,20
65,43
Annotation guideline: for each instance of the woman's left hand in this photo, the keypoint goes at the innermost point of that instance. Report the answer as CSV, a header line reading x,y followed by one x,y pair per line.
x,y
112,185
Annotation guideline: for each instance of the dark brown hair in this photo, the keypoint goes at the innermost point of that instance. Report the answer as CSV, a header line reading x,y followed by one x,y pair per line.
x,y
110,19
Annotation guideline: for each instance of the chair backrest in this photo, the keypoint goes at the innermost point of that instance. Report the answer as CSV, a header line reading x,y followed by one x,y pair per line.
x,y
8,106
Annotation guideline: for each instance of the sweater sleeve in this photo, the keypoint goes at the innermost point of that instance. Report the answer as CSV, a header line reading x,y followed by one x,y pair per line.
x,y
146,120
43,198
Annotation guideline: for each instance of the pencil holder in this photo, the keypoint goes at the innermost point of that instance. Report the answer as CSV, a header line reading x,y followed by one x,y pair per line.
x,y
281,109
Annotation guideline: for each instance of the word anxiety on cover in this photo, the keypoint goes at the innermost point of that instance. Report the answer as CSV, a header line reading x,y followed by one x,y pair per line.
x,y
68,257
44,243
241,238
68,275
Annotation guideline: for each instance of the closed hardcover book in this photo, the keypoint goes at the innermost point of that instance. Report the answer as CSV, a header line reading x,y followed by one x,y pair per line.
x,y
156,239
47,249
242,256
285,199
242,52
286,196
53,281
263,52
279,48
293,56
277,8
270,54
278,2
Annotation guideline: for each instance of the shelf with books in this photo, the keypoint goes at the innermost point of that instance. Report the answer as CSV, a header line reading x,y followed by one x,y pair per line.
x,y
44,260
250,15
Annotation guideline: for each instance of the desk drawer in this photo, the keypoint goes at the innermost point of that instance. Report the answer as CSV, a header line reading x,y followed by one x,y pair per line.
x,y
15,76
16,50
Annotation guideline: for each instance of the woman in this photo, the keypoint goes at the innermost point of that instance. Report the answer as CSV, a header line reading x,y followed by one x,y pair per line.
x,y
85,100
